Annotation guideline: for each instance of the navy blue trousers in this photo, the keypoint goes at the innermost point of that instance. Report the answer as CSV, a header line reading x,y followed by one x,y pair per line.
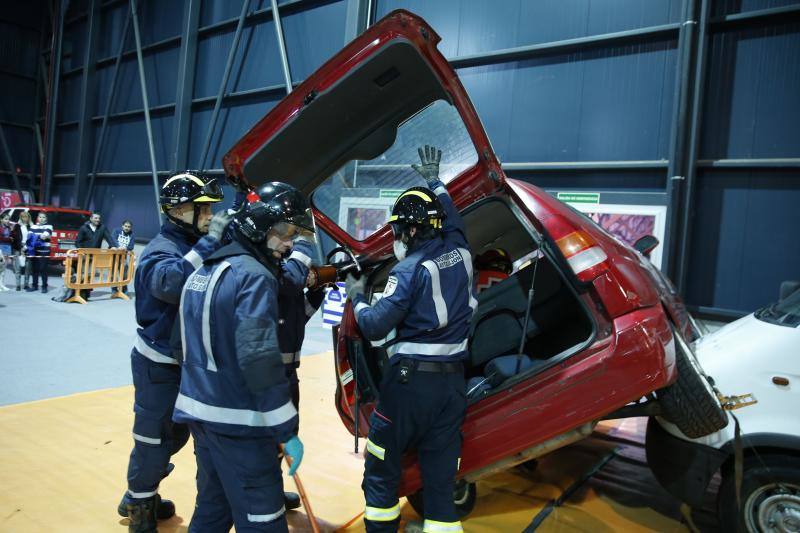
x,y
425,414
238,483
156,436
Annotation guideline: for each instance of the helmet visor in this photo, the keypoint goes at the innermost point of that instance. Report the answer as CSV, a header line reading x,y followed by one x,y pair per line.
x,y
211,192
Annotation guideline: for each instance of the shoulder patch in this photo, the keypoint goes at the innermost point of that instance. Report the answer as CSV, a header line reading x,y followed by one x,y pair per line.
x,y
391,285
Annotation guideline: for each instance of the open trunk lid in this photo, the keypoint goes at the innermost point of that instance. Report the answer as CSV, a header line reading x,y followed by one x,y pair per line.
x,y
349,133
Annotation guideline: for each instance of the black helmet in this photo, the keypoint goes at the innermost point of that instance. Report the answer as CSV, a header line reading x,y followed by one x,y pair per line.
x,y
293,203
272,204
188,187
418,206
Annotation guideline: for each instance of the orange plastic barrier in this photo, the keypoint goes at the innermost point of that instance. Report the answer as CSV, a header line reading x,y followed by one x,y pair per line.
x,y
93,268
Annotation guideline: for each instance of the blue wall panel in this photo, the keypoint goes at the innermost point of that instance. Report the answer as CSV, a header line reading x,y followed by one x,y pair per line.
x,y
119,199
474,26
257,62
609,104
752,107
65,150
234,120
599,103
326,23
126,144
745,240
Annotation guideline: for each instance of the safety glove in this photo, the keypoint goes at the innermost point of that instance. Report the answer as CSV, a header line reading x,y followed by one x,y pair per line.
x,y
429,158
293,448
355,286
220,221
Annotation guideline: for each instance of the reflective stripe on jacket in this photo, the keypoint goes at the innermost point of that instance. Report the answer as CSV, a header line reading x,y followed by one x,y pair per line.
x,y
427,304
232,377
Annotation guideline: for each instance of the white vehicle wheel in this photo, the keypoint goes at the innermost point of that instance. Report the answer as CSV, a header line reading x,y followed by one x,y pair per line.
x,y
770,496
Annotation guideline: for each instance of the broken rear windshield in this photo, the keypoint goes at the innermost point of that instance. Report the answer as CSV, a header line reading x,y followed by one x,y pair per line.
x,y
360,195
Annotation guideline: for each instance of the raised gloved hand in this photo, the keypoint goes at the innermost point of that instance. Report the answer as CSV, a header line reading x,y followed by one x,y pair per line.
x,y
220,221
429,157
294,449
355,286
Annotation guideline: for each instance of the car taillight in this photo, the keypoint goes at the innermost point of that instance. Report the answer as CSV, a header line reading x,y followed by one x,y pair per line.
x,y
583,254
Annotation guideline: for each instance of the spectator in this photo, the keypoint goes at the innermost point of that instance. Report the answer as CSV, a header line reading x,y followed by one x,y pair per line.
x,y
19,236
38,250
91,235
123,240
5,248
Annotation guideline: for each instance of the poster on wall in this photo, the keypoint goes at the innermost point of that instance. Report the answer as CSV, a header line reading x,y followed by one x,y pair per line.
x,y
628,222
9,198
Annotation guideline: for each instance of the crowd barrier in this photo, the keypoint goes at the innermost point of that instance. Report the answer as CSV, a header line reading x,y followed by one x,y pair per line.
x,y
94,268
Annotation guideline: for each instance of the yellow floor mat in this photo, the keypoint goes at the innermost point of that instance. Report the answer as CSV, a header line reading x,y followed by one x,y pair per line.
x,y
63,463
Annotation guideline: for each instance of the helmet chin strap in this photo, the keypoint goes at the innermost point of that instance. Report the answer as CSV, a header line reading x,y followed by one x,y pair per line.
x,y
191,228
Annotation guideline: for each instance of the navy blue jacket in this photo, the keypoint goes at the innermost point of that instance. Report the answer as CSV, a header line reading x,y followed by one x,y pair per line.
x,y
165,264
127,241
295,306
427,304
232,376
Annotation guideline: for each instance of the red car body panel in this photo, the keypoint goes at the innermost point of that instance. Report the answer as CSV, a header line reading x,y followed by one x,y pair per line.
x,y
632,351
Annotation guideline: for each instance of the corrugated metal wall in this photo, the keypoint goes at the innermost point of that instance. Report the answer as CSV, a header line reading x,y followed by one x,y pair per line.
x,y
590,95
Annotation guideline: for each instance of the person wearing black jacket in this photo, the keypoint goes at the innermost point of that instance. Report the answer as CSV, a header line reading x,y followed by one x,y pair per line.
x,y
91,235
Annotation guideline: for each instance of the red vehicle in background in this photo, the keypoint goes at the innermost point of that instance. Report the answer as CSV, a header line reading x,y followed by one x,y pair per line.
x,y
66,222
607,335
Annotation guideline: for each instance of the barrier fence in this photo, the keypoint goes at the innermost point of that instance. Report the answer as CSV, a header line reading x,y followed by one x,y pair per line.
x,y
94,268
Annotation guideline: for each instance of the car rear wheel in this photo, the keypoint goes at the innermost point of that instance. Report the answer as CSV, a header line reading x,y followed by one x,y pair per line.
x,y
770,495
691,403
464,497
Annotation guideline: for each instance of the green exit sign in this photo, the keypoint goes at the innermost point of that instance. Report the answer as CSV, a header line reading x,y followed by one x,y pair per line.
x,y
579,197
391,193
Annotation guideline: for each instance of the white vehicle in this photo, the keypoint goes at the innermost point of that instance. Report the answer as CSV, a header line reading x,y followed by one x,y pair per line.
x,y
757,355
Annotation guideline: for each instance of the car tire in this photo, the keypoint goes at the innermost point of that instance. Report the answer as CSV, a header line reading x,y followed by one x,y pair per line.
x,y
464,497
770,494
690,403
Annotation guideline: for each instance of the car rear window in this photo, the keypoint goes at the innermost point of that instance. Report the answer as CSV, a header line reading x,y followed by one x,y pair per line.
x,y
360,195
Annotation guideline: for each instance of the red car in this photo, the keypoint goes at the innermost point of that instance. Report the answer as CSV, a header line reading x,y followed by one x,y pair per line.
x,y
66,222
601,339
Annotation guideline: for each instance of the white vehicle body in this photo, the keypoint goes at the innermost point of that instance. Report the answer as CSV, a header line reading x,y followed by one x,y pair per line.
x,y
744,357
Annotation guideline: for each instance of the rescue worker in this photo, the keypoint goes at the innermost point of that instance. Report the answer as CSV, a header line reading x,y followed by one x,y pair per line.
x,y
295,305
426,309
188,235
234,394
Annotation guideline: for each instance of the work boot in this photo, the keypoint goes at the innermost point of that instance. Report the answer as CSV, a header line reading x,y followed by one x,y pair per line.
x,y
142,515
291,500
44,289
32,289
165,511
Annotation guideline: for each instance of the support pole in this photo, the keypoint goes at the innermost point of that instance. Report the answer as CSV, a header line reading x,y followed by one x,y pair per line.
x,y
10,161
112,91
87,97
698,93
224,83
146,104
184,94
680,125
52,107
287,74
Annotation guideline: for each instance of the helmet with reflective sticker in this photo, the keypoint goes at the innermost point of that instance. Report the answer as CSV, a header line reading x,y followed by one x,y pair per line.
x,y
418,206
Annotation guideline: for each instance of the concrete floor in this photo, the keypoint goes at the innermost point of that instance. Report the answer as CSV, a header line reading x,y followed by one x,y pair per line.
x,y
53,349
